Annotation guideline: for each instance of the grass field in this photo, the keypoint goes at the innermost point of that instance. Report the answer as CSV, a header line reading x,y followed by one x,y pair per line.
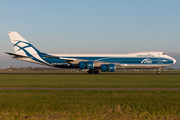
x,y
91,81
89,104
54,104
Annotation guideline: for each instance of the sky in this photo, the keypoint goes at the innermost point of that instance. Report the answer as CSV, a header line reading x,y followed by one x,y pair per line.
x,y
91,26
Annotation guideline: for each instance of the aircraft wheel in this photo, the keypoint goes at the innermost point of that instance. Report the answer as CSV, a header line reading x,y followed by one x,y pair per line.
x,y
96,72
90,72
158,72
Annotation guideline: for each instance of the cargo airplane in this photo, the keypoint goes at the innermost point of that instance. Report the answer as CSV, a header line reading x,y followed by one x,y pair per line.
x,y
91,63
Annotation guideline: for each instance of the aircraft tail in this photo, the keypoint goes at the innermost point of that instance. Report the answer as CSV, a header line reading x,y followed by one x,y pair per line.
x,y
24,50
21,46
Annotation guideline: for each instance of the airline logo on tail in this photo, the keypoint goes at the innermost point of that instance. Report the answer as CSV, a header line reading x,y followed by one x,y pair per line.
x,y
23,47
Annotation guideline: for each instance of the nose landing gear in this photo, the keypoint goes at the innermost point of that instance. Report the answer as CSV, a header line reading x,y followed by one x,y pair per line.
x,y
159,71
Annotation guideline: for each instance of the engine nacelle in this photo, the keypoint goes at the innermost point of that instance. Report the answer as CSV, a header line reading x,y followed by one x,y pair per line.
x,y
109,67
86,65
104,68
82,65
90,65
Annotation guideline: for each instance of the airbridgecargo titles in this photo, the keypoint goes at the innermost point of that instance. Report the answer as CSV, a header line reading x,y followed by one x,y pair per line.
x,y
145,56
92,63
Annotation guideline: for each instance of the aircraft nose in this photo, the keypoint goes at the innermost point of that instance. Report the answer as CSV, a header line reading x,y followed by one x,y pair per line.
x,y
174,61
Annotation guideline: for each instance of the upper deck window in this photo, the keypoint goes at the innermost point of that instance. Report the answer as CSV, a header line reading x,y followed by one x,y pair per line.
x,y
163,53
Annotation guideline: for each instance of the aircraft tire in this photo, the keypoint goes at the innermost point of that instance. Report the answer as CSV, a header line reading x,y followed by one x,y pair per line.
x,y
96,72
158,72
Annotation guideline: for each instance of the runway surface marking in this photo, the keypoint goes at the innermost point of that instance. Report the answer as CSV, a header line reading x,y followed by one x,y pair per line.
x,y
89,88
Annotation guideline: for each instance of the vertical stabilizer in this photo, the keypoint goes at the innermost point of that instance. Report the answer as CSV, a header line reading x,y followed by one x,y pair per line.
x,y
25,50
15,39
20,45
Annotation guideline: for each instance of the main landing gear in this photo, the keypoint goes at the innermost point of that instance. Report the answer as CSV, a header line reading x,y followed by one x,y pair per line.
x,y
95,71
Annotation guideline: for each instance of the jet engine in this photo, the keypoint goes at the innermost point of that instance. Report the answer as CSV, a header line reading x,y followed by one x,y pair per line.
x,y
86,65
108,67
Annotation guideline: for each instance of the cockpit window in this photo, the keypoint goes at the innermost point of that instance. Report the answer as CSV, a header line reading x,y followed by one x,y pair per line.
x,y
163,53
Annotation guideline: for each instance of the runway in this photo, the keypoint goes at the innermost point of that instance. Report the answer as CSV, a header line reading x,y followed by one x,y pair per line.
x,y
6,88
89,74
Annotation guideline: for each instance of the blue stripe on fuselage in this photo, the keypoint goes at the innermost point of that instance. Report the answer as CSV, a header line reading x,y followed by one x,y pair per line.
x,y
120,60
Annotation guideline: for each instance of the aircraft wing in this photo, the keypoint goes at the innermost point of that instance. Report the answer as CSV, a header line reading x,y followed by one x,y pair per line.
x,y
56,57
75,60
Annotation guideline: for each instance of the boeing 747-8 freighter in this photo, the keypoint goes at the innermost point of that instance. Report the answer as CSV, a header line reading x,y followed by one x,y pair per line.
x,y
92,63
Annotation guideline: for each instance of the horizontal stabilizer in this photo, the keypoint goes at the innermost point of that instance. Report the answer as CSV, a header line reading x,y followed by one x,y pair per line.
x,y
17,55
